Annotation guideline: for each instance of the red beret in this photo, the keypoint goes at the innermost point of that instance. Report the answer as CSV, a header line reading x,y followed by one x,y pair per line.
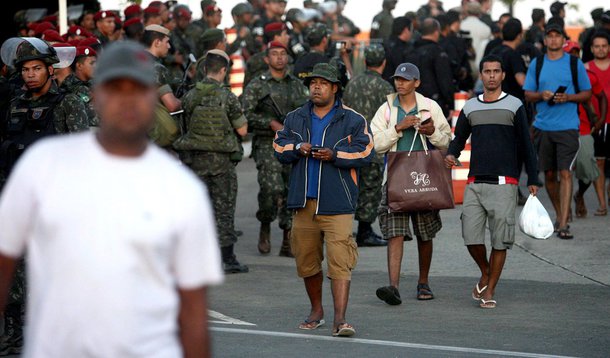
x,y
182,12
276,44
132,21
102,15
210,9
62,44
275,26
132,10
85,51
89,41
52,36
50,18
78,31
74,42
155,4
41,27
151,10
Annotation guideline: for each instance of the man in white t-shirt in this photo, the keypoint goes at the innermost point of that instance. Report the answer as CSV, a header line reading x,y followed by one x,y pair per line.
x,y
119,238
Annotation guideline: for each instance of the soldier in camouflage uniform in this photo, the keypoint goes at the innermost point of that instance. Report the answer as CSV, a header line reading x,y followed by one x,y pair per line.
x,y
196,28
266,100
182,43
242,16
210,147
381,28
365,94
78,82
256,65
165,129
42,110
212,39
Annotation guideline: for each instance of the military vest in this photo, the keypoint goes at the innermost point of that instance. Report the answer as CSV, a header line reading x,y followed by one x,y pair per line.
x,y
25,125
210,129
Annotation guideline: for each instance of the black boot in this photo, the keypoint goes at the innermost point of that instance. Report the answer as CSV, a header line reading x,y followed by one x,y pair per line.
x,y
285,249
229,261
264,239
367,237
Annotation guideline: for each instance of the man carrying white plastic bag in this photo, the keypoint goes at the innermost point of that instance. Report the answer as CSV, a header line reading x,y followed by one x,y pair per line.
x,y
535,221
498,125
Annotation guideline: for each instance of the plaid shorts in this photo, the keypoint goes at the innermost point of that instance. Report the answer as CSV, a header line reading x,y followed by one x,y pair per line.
x,y
393,224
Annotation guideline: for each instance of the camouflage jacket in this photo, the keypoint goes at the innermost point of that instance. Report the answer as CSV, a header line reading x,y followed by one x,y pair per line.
x,y
163,78
82,90
182,42
288,93
69,115
194,31
365,93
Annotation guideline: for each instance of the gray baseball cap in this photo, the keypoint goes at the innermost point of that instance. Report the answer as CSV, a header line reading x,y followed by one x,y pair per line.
x,y
408,71
125,59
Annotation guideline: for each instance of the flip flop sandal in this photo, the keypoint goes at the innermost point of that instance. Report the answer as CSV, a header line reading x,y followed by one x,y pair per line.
x,y
310,325
601,212
565,234
424,290
478,292
487,304
344,330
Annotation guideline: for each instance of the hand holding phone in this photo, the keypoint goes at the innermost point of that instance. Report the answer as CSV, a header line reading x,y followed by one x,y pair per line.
x,y
560,89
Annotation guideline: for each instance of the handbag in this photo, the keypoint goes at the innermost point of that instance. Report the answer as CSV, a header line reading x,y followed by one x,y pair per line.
x,y
419,181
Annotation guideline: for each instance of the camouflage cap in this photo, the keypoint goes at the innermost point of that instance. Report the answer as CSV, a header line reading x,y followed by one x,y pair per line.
x,y
325,71
241,9
374,54
316,33
127,60
212,35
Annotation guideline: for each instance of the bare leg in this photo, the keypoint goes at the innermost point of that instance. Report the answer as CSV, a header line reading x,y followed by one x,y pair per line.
x,y
395,250
552,188
424,250
600,183
479,254
565,192
340,290
496,264
313,286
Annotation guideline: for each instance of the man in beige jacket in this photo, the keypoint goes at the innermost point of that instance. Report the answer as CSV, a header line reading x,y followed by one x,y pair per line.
x,y
403,116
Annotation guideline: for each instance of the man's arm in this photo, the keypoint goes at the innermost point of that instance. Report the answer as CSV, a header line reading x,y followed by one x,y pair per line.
x,y
170,102
193,323
358,150
462,132
285,144
71,115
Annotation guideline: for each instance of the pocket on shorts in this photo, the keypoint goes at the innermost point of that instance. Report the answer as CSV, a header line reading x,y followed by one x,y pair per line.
x,y
353,253
507,230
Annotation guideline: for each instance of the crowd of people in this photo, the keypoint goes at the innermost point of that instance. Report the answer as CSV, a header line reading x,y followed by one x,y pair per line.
x,y
321,129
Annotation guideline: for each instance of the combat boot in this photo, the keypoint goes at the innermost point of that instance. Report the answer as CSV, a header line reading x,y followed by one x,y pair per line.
x,y
285,250
366,237
264,238
229,261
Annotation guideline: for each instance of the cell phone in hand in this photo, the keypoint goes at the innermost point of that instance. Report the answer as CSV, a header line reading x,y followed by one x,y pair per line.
x,y
560,89
316,149
426,121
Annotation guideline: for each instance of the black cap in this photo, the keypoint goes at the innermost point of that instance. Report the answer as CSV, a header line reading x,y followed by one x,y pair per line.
x,y
606,17
555,28
557,6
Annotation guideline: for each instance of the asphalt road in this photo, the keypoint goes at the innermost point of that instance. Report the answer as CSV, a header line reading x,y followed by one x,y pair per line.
x,y
553,298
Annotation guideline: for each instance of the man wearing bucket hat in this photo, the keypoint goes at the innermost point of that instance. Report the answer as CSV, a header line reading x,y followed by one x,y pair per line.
x,y
144,236
42,110
325,143
396,124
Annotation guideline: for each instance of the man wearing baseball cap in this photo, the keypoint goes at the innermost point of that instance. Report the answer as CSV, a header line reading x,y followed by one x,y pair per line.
x,y
266,100
408,113
325,143
557,83
120,216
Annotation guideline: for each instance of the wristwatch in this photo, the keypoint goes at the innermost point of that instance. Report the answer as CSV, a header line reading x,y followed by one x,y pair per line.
x,y
298,147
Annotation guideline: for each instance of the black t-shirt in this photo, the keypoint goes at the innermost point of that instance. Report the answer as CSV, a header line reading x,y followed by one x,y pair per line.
x,y
513,64
304,64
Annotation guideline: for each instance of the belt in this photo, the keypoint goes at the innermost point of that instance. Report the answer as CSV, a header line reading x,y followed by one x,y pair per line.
x,y
491,179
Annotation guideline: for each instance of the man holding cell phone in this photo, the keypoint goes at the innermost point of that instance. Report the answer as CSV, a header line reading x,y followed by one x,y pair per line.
x,y
556,88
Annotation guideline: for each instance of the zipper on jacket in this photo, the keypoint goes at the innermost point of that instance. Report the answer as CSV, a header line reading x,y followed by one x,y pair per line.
x,y
306,169
320,172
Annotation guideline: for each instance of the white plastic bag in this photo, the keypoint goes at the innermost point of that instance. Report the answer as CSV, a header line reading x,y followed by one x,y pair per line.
x,y
534,221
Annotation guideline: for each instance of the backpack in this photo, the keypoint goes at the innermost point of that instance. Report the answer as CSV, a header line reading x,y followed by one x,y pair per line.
x,y
209,127
573,70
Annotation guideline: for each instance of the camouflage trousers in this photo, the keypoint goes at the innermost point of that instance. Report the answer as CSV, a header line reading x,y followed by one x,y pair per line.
x,y
273,181
218,173
12,338
369,192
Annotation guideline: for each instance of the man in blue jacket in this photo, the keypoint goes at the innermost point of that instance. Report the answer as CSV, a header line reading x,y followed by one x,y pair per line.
x,y
326,143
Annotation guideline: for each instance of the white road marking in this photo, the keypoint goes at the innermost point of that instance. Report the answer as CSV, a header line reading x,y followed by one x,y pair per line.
x,y
492,352
227,320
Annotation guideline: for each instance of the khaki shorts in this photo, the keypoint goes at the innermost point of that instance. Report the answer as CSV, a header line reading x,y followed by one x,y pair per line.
x,y
309,234
490,203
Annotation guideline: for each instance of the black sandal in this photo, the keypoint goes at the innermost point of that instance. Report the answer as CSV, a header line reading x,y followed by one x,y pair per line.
x,y
424,293
565,233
